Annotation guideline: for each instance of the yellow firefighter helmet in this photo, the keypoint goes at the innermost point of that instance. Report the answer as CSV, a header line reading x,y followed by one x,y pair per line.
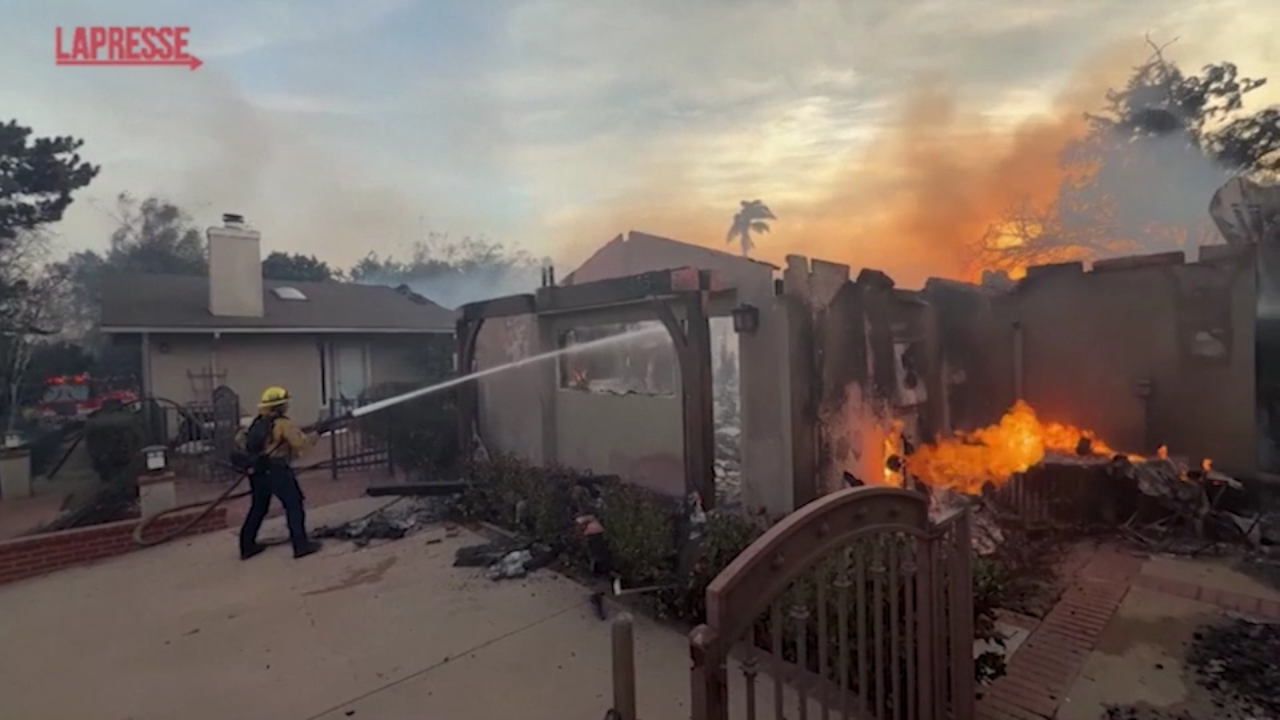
x,y
274,396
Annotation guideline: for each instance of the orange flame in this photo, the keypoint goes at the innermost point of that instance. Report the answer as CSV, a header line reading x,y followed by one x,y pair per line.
x,y
968,461
893,449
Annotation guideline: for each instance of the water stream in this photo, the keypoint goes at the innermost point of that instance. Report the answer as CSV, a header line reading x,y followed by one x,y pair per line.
x,y
626,337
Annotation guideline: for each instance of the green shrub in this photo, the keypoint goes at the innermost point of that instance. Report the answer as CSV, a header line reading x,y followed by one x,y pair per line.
x,y
114,442
422,434
644,531
724,537
640,531
990,582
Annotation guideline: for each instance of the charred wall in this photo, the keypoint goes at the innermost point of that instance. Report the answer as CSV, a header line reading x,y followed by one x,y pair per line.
x,y
1145,350
868,354
976,363
511,402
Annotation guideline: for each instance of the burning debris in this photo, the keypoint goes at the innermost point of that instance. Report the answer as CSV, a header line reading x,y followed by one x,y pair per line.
x,y
1061,475
969,461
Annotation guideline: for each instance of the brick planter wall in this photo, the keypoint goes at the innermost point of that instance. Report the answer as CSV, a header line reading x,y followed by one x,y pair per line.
x,y
34,555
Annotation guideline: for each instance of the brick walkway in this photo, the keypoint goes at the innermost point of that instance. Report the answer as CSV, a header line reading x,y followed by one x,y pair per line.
x,y
1047,664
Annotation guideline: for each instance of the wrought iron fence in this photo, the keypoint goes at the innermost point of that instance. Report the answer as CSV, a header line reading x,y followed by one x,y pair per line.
x,y
352,446
199,437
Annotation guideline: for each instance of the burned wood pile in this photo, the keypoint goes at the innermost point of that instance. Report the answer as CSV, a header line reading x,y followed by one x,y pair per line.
x,y
1162,503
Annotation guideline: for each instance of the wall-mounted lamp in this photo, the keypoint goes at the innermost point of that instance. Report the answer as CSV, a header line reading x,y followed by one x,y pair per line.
x,y
155,457
746,318
12,439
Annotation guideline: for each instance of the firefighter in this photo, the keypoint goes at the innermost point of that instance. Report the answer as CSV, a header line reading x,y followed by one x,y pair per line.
x,y
272,442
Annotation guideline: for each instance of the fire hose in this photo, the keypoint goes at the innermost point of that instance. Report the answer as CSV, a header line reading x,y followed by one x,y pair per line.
x,y
230,492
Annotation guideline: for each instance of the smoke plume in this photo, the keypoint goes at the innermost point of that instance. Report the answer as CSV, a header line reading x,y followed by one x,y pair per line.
x,y
918,200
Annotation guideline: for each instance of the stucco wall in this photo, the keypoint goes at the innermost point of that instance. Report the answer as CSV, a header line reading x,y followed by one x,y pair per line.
x,y
254,362
765,404
168,358
641,437
1089,340
512,402
636,436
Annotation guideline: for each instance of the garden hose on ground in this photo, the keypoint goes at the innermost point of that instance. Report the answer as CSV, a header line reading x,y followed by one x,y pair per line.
x,y
319,428
208,505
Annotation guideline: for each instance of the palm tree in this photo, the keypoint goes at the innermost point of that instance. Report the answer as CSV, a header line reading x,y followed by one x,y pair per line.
x,y
752,218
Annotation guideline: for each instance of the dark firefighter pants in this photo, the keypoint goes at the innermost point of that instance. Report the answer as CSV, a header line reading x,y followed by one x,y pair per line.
x,y
281,483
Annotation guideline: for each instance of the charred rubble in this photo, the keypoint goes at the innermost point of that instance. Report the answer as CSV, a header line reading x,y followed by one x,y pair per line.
x,y
1160,503
389,522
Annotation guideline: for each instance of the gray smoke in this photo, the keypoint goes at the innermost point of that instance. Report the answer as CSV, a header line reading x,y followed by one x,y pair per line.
x,y
462,287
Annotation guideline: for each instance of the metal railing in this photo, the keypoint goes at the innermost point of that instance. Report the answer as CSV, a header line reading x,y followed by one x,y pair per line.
x,y
353,445
199,437
858,604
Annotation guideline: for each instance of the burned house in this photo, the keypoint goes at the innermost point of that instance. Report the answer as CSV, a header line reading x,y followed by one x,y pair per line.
x,y
841,372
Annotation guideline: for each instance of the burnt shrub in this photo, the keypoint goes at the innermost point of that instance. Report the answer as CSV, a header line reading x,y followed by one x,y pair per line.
x,y
422,434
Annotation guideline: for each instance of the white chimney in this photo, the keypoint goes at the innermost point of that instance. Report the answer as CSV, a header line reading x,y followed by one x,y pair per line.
x,y
235,269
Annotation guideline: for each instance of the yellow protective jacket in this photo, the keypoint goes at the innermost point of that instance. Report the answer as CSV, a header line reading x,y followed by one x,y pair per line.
x,y
286,442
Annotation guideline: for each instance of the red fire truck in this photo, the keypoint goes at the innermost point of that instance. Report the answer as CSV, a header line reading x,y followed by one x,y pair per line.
x,y
75,397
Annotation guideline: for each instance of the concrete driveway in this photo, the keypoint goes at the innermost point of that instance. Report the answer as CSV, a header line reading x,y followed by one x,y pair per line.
x,y
389,632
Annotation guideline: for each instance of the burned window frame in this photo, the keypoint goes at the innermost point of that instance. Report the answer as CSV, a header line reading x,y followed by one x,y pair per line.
x,y
661,380
1204,306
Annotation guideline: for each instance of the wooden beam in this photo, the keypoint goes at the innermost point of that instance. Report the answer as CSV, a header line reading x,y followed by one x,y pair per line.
x,y
618,291
499,307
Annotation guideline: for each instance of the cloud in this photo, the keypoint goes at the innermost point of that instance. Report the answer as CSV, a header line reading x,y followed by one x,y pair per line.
x,y
341,128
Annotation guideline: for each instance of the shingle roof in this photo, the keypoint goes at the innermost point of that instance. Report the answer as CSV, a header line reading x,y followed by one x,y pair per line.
x,y
182,303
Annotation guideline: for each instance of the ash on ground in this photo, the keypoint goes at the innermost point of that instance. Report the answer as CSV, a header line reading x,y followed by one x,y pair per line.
x,y
1237,662
1233,665
391,522
1142,712
1263,562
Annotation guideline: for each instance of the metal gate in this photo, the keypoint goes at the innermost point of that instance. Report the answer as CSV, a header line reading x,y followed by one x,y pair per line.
x,y
225,424
857,605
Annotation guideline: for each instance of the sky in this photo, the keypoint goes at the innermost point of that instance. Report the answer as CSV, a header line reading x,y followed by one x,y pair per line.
x,y
339,128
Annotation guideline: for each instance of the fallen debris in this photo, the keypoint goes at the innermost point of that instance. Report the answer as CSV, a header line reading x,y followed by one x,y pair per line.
x,y
1161,503
505,560
1182,513
619,591
435,488
387,523
485,554
513,565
